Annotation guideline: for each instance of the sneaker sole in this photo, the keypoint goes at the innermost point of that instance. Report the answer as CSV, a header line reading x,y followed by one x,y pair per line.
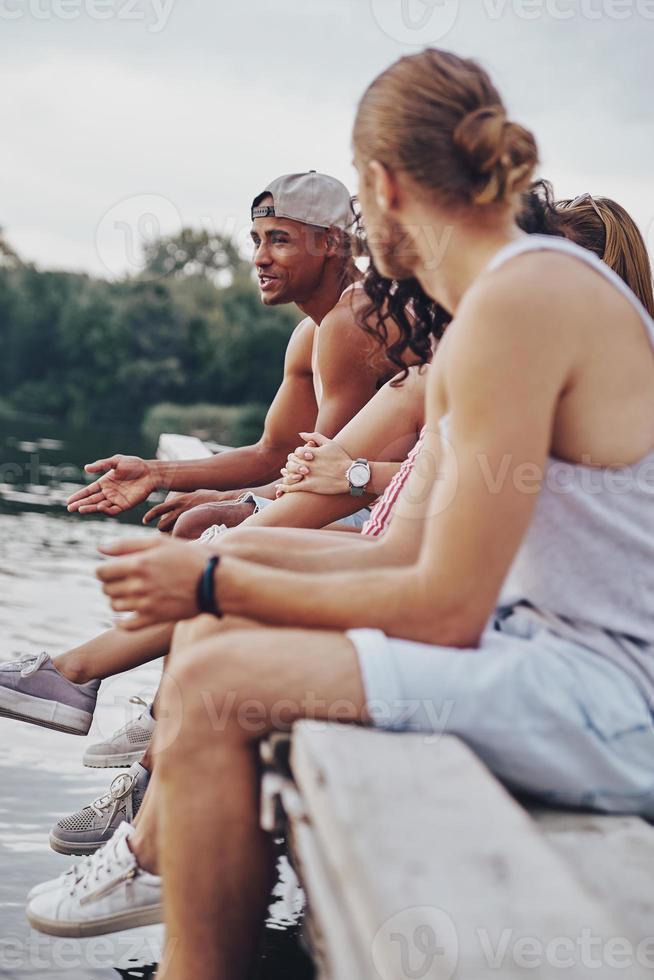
x,y
75,849
149,916
45,714
112,761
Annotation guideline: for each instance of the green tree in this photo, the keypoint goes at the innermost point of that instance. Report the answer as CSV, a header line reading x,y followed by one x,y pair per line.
x,y
95,352
192,253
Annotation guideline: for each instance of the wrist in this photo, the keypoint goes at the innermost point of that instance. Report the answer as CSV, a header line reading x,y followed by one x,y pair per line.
x,y
228,597
358,477
159,473
206,594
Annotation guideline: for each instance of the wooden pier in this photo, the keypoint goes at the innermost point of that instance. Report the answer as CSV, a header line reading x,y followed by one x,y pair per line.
x,y
417,863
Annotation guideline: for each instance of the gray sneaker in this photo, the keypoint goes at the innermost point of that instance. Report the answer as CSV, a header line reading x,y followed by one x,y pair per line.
x,y
33,690
91,827
127,745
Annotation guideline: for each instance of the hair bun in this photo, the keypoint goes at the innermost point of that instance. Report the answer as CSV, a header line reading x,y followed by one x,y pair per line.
x,y
499,154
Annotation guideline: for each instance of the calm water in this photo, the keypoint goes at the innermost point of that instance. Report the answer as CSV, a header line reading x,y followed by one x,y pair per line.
x,y
49,600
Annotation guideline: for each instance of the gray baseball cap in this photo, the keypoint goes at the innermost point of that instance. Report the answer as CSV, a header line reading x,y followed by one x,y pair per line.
x,y
312,198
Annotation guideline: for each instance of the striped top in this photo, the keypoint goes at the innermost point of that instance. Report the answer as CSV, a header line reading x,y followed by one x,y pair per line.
x,y
382,513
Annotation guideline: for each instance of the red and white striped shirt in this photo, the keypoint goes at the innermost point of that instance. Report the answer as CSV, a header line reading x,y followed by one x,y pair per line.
x,y
382,513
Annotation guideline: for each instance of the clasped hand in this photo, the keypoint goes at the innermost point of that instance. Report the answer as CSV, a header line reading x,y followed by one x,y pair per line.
x,y
319,466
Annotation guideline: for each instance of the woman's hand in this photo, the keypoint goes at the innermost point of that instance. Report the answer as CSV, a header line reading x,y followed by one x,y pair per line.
x,y
320,466
156,579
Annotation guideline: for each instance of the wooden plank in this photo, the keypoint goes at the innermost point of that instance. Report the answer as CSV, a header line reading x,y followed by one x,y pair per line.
x,y
174,447
441,874
614,858
328,931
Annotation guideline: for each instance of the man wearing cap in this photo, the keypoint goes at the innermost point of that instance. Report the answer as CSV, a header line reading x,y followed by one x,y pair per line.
x,y
302,254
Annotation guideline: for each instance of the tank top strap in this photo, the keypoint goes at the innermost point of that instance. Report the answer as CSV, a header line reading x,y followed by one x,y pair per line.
x,y
353,285
542,243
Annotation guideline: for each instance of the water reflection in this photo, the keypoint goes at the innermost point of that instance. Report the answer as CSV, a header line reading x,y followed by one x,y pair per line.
x,y
50,600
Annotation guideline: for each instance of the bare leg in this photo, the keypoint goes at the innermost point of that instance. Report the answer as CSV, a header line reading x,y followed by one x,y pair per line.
x,y
144,840
215,906
187,634
114,652
192,523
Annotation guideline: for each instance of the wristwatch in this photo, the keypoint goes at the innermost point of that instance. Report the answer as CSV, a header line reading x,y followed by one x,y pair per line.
x,y
358,476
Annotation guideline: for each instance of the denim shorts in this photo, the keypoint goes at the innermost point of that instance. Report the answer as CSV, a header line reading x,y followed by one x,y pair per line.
x,y
549,716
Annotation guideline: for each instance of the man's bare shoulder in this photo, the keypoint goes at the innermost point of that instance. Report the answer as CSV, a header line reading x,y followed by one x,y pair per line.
x,y
537,299
342,325
517,328
342,340
300,348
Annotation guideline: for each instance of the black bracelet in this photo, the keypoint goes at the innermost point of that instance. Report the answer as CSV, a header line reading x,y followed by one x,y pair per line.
x,y
206,594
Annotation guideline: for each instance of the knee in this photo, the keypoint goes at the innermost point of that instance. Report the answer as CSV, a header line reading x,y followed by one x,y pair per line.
x,y
197,703
188,632
194,522
220,687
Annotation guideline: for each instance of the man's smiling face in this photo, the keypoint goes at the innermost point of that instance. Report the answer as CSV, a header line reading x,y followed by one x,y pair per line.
x,y
289,257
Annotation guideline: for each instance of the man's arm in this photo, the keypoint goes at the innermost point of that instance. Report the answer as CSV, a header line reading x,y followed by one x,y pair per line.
x,y
349,374
501,373
129,480
386,429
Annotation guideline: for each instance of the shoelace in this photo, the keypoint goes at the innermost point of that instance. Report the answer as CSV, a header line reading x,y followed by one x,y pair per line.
x,y
98,867
135,699
77,871
120,788
29,664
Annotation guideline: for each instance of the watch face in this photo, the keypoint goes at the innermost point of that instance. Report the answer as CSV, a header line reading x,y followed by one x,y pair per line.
x,y
359,475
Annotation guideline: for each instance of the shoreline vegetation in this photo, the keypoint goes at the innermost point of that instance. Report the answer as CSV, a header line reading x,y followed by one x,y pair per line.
x,y
184,346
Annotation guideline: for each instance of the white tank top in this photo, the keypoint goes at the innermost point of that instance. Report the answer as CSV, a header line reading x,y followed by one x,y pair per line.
x,y
588,555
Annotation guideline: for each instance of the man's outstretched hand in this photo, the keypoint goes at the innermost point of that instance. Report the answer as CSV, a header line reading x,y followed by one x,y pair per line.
x,y
127,481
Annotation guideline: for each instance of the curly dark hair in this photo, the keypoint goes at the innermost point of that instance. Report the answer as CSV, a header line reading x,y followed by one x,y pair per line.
x,y
599,225
420,320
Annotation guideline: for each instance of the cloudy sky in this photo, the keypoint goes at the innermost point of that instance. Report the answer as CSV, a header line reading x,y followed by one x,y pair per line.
x,y
124,117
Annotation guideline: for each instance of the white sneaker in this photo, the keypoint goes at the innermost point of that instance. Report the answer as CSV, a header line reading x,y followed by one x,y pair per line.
x,y
67,878
112,893
126,746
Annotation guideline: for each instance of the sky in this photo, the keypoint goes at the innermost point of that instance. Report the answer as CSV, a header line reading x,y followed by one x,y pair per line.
x,y
126,118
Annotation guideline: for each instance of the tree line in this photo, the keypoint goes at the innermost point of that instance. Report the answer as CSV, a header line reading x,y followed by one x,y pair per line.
x,y
189,329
